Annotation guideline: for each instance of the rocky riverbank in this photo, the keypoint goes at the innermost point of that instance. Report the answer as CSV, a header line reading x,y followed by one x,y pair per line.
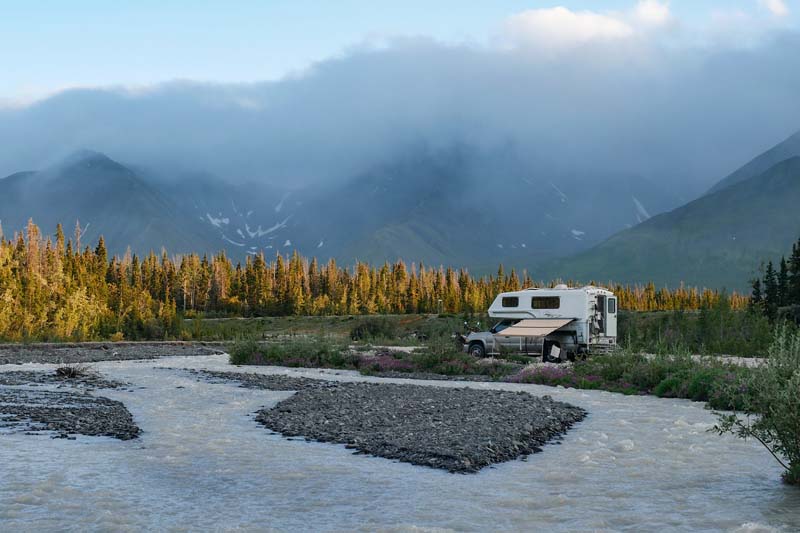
x,y
86,379
90,352
24,408
64,413
455,429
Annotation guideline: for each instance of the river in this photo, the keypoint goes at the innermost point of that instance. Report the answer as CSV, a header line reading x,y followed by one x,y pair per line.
x,y
202,463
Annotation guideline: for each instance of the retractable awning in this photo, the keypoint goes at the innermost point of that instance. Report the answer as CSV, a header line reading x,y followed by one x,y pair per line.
x,y
535,327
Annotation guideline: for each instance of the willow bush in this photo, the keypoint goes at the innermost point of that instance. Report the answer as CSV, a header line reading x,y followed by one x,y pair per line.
x,y
770,404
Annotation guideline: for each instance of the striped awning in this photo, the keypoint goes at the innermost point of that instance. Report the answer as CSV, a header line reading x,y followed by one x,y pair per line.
x,y
535,327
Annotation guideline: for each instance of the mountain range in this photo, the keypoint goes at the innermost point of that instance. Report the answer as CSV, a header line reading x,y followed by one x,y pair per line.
x,y
717,240
452,206
456,206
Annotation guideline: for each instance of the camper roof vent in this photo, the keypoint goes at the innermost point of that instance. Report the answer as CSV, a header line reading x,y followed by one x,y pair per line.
x,y
561,287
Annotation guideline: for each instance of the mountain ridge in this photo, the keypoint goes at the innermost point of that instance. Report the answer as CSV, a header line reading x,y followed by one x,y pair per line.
x,y
716,240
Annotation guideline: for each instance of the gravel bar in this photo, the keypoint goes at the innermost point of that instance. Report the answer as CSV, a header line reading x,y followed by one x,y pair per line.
x,y
65,413
89,380
456,429
90,352
272,382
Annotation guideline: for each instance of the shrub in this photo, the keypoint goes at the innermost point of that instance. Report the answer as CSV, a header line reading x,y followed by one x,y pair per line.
x,y
671,387
374,328
770,404
117,337
73,371
303,352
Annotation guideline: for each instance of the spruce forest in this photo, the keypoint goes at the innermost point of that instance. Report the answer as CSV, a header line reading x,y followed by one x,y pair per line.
x,y
63,290
777,293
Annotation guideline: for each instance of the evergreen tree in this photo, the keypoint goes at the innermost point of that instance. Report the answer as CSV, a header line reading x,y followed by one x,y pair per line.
x,y
793,297
771,294
783,284
756,297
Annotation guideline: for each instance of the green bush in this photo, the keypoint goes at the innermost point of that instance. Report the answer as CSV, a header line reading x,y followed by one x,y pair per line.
x,y
770,404
245,351
718,329
671,387
302,352
374,328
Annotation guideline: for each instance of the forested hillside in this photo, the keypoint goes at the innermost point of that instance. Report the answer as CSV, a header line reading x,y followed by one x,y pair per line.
x,y
61,290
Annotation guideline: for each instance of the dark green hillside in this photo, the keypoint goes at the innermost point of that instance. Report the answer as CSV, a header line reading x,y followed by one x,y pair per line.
x,y
717,240
781,152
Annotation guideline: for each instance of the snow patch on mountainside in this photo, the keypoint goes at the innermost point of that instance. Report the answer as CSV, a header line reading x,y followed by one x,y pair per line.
x,y
224,238
577,234
560,192
641,212
280,204
218,222
258,232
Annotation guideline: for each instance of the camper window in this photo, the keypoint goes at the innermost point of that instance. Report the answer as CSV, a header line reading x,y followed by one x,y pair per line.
x,y
545,302
510,301
612,306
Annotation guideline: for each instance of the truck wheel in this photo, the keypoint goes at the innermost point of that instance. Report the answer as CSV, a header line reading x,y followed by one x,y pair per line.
x,y
477,350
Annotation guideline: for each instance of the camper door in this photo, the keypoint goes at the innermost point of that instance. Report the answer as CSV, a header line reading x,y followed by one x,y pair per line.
x,y
611,317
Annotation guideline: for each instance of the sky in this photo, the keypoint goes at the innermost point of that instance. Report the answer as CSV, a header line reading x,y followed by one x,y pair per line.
x,y
299,92
49,46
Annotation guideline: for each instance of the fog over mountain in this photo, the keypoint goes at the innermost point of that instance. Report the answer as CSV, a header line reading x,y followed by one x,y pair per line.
x,y
685,115
562,130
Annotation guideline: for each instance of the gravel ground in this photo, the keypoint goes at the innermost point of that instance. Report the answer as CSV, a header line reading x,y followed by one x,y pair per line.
x,y
263,381
89,352
65,413
433,377
90,380
455,429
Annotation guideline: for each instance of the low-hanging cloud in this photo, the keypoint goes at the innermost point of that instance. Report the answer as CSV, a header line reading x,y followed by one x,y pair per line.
x,y
612,99
776,7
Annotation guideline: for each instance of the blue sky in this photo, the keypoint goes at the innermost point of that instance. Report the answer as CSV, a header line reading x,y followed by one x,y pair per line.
x,y
47,46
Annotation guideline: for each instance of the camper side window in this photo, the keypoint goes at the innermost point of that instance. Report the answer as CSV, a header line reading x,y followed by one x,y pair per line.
x,y
545,302
510,301
612,306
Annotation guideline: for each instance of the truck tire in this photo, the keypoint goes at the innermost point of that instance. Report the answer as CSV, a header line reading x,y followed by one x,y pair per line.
x,y
476,349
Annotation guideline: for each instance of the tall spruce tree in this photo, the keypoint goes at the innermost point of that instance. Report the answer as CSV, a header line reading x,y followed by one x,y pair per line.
x,y
756,296
771,295
794,275
783,284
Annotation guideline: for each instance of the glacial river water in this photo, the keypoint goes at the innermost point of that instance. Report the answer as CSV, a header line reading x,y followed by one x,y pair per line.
x,y
202,463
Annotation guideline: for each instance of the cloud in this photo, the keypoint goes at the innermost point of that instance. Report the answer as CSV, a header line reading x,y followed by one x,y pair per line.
x,y
559,27
687,115
653,12
776,7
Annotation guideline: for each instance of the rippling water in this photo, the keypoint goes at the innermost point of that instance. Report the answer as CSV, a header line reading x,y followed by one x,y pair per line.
x,y
636,463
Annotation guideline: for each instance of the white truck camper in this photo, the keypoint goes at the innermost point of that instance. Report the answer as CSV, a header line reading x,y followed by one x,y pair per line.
x,y
556,324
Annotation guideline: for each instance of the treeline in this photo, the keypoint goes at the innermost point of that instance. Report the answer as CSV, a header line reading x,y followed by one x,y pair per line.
x,y
61,290
777,292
